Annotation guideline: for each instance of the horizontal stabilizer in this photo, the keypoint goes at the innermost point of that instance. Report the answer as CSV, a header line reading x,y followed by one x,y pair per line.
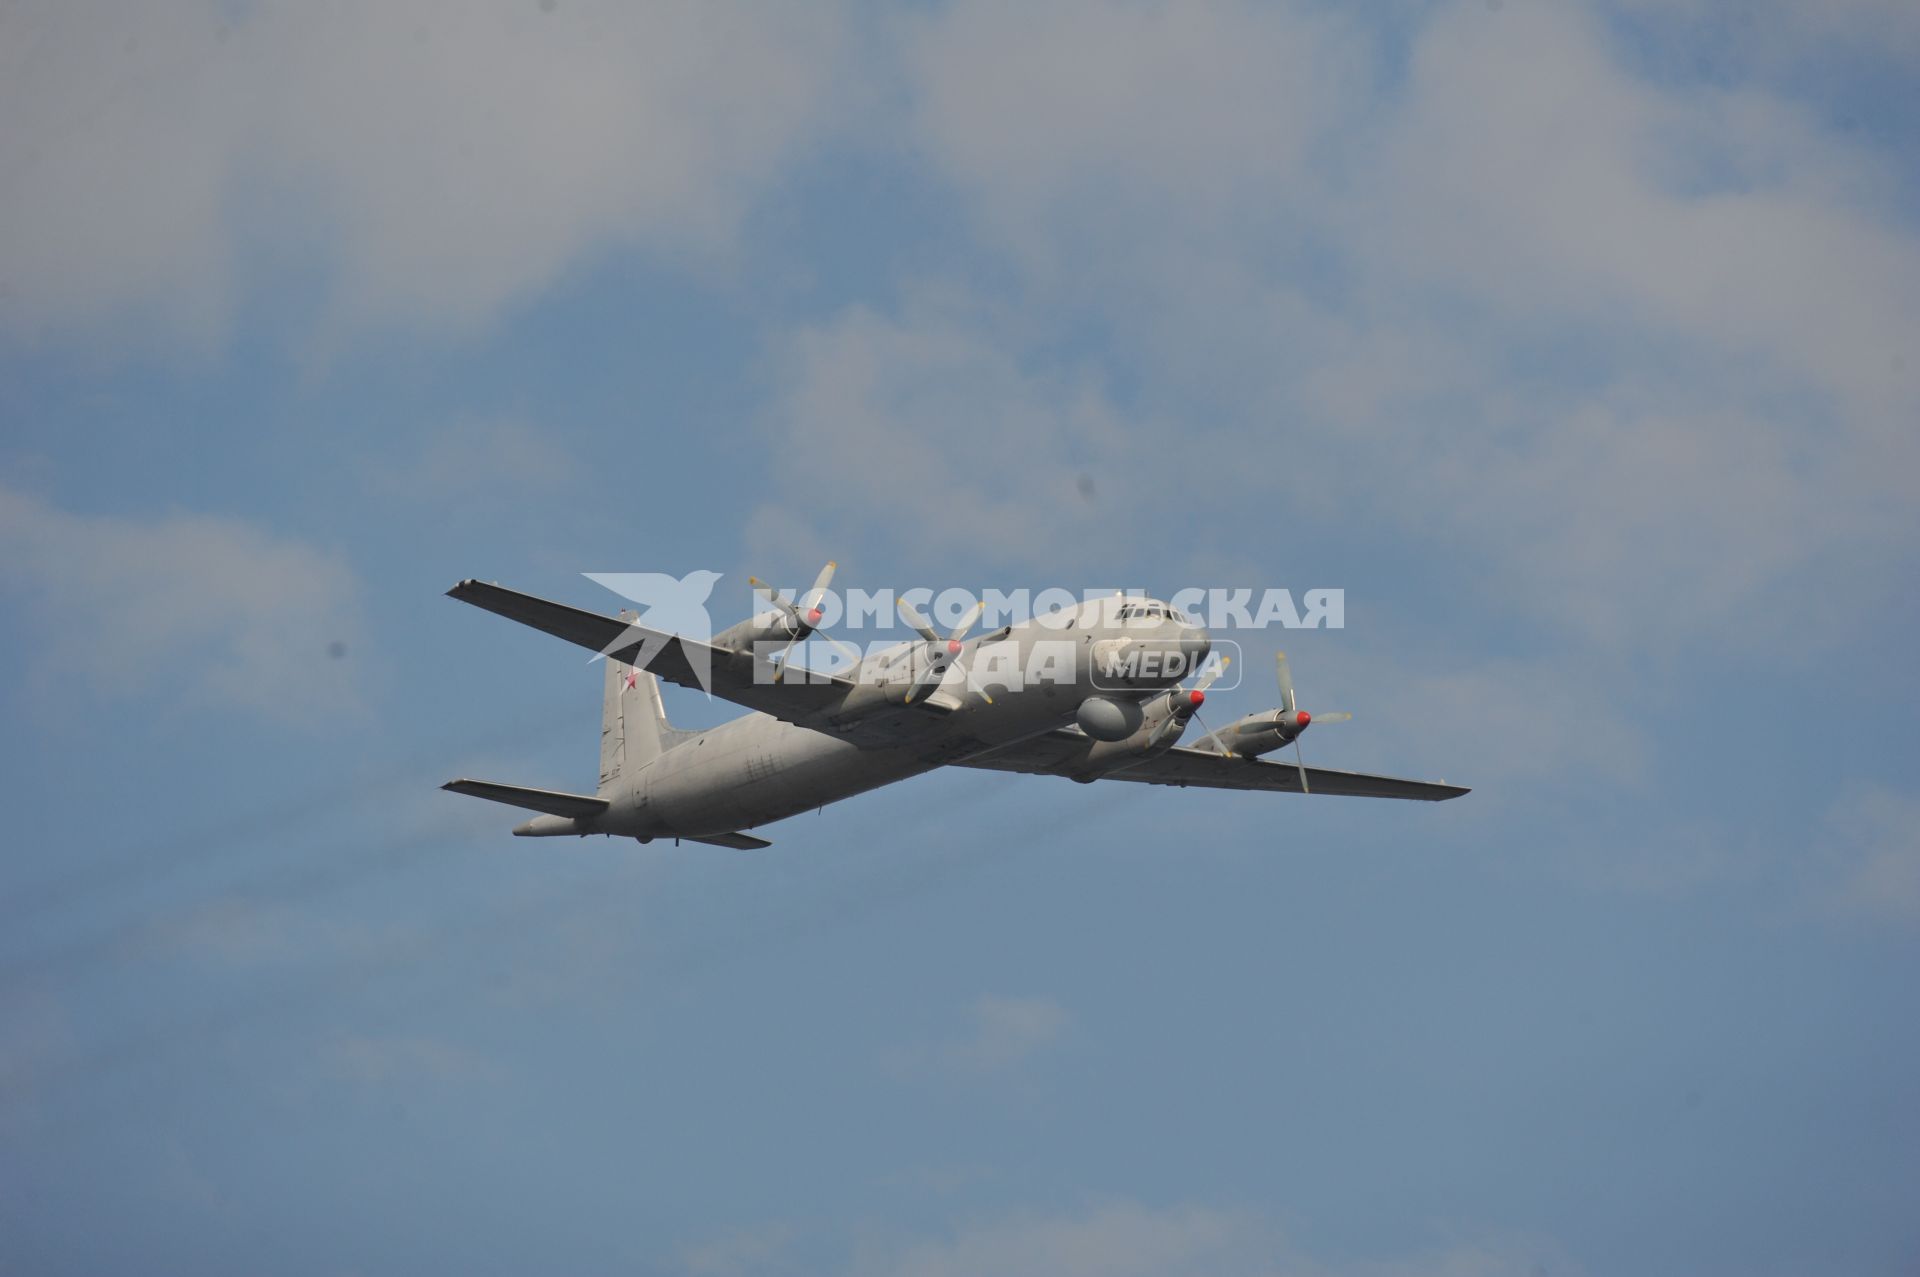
x,y
739,842
550,801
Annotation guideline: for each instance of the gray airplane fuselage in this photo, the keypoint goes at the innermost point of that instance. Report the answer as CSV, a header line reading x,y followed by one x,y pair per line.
x,y
758,769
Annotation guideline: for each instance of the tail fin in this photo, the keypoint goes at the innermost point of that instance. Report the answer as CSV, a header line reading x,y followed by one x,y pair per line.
x,y
633,724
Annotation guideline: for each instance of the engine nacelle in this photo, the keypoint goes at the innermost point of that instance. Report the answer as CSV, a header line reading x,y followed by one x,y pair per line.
x,y
1159,731
909,673
1262,733
766,632
866,699
1109,718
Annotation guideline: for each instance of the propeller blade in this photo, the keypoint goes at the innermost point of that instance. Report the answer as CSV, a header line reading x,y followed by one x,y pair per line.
x,y
912,616
851,652
776,601
1290,706
966,623
966,671
1211,736
953,641
1169,731
1186,702
818,592
1338,716
780,672
942,653
803,622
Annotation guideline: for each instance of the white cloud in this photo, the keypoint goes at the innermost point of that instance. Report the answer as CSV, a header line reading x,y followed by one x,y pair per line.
x,y
383,1060
1126,1239
474,461
1545,177
1722,277
1636,352
1511,724
749,1250
1652,857
924,428
1007,1030
36,1037
1075,126
197,604
1001,1032
1620,519
1873,845
1776,33
443,159
1114,1241
235,931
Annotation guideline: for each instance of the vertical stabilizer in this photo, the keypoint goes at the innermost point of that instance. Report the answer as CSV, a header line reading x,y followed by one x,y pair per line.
x,y
633,724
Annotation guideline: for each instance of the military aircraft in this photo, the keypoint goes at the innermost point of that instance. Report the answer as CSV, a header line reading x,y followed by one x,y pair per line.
x,y
1091,692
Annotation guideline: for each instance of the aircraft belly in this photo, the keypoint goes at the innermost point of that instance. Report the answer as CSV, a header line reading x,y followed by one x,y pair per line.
x,y
741,779
756,770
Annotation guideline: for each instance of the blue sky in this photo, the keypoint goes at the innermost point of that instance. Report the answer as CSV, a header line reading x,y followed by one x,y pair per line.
x,y
1577,343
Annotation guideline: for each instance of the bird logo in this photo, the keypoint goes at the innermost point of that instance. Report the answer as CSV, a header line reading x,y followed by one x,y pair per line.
x,y
670,607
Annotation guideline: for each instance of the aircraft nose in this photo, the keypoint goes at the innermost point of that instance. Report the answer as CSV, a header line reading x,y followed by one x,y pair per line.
x,y
1194,645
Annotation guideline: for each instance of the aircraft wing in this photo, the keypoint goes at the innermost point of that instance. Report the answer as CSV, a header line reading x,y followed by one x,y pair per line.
x,y
1059,753
676,659
739,677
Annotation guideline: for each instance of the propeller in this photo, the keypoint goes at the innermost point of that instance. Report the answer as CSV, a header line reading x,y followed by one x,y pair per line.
x,y
1187,703
1290,708
1271,729
941,652
802,620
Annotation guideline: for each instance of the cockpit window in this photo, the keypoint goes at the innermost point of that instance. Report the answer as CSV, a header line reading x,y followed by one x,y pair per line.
x,y
1146,612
